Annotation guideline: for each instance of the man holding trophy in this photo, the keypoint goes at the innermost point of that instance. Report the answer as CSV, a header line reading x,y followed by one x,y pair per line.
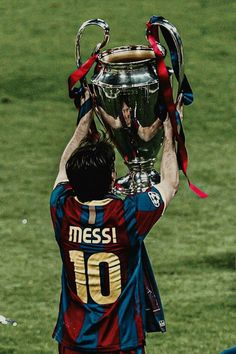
x,y
109,297
100,236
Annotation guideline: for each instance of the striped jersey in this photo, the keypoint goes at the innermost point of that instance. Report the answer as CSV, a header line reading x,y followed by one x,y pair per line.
x,y
102,305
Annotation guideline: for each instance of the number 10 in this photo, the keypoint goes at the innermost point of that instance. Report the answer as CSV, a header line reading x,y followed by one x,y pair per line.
x,y
93,281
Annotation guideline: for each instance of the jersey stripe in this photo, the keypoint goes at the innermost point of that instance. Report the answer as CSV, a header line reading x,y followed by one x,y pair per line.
x,y
111,338
88,336
128,334
64,303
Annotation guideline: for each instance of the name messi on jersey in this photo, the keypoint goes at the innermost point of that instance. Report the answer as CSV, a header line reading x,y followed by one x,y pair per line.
x,y
89,235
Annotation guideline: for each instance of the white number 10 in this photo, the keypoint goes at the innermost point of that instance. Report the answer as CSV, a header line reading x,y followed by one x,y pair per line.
x,y
93,280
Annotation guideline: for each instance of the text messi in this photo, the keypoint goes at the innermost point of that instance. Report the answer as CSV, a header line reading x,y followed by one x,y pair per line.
x,y
90,235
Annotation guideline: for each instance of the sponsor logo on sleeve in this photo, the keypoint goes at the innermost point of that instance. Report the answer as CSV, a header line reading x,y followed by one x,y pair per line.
x,y
155,198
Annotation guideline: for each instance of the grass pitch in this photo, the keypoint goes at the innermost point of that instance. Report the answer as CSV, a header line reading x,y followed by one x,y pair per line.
x,y
193,247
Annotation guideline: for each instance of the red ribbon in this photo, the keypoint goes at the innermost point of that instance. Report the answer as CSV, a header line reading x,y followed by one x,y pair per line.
x,y
171,108
81,72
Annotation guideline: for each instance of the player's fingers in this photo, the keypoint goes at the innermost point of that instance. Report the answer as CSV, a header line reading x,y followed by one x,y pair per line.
x,y
179,103
85,95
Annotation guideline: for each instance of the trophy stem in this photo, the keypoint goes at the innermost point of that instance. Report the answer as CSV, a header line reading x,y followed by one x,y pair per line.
x,y
142,175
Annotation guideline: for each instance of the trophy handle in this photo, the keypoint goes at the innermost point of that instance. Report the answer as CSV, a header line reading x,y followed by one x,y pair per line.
x,y
174,43
97,22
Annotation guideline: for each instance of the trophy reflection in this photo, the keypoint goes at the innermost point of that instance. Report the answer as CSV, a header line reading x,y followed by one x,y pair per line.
x,y
131,126
129,137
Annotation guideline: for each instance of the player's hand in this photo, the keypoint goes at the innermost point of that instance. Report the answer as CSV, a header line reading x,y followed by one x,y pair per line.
x,y
85,95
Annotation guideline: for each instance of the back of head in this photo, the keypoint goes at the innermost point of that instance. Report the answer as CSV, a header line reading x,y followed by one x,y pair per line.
x,y
89,169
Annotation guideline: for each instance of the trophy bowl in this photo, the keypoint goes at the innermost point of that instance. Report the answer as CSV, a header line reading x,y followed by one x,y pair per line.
x,y
128,102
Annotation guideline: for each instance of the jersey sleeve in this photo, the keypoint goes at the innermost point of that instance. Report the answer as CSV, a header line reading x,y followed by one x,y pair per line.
x,y
149,207
57,201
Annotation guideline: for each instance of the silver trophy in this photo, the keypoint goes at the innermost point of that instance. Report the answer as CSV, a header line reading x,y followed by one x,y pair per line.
x,y
129,103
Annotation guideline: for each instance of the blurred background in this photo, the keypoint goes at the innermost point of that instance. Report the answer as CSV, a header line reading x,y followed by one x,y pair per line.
x,y
193,247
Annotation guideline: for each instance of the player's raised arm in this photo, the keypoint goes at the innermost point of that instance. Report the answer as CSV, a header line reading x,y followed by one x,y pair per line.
x,y
169,166
80,133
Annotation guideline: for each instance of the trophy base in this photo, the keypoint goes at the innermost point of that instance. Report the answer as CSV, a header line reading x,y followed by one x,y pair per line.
x,y
141,176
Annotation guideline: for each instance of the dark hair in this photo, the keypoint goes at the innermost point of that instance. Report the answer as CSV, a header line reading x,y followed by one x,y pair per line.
x,y
89,169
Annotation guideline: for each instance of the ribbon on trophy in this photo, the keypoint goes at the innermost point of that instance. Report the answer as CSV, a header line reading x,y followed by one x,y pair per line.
x,y
165,85
77,93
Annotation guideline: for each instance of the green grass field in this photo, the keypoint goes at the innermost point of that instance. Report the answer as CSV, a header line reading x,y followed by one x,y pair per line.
x,y
193,247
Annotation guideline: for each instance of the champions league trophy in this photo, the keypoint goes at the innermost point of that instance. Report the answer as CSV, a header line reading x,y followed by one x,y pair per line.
x,y
130,102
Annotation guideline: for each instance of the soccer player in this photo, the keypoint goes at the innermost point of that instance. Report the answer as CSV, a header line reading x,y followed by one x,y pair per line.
x,y
100,237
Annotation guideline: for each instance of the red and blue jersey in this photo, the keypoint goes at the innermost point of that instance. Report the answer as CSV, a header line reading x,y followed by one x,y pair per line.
x,y
102,306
